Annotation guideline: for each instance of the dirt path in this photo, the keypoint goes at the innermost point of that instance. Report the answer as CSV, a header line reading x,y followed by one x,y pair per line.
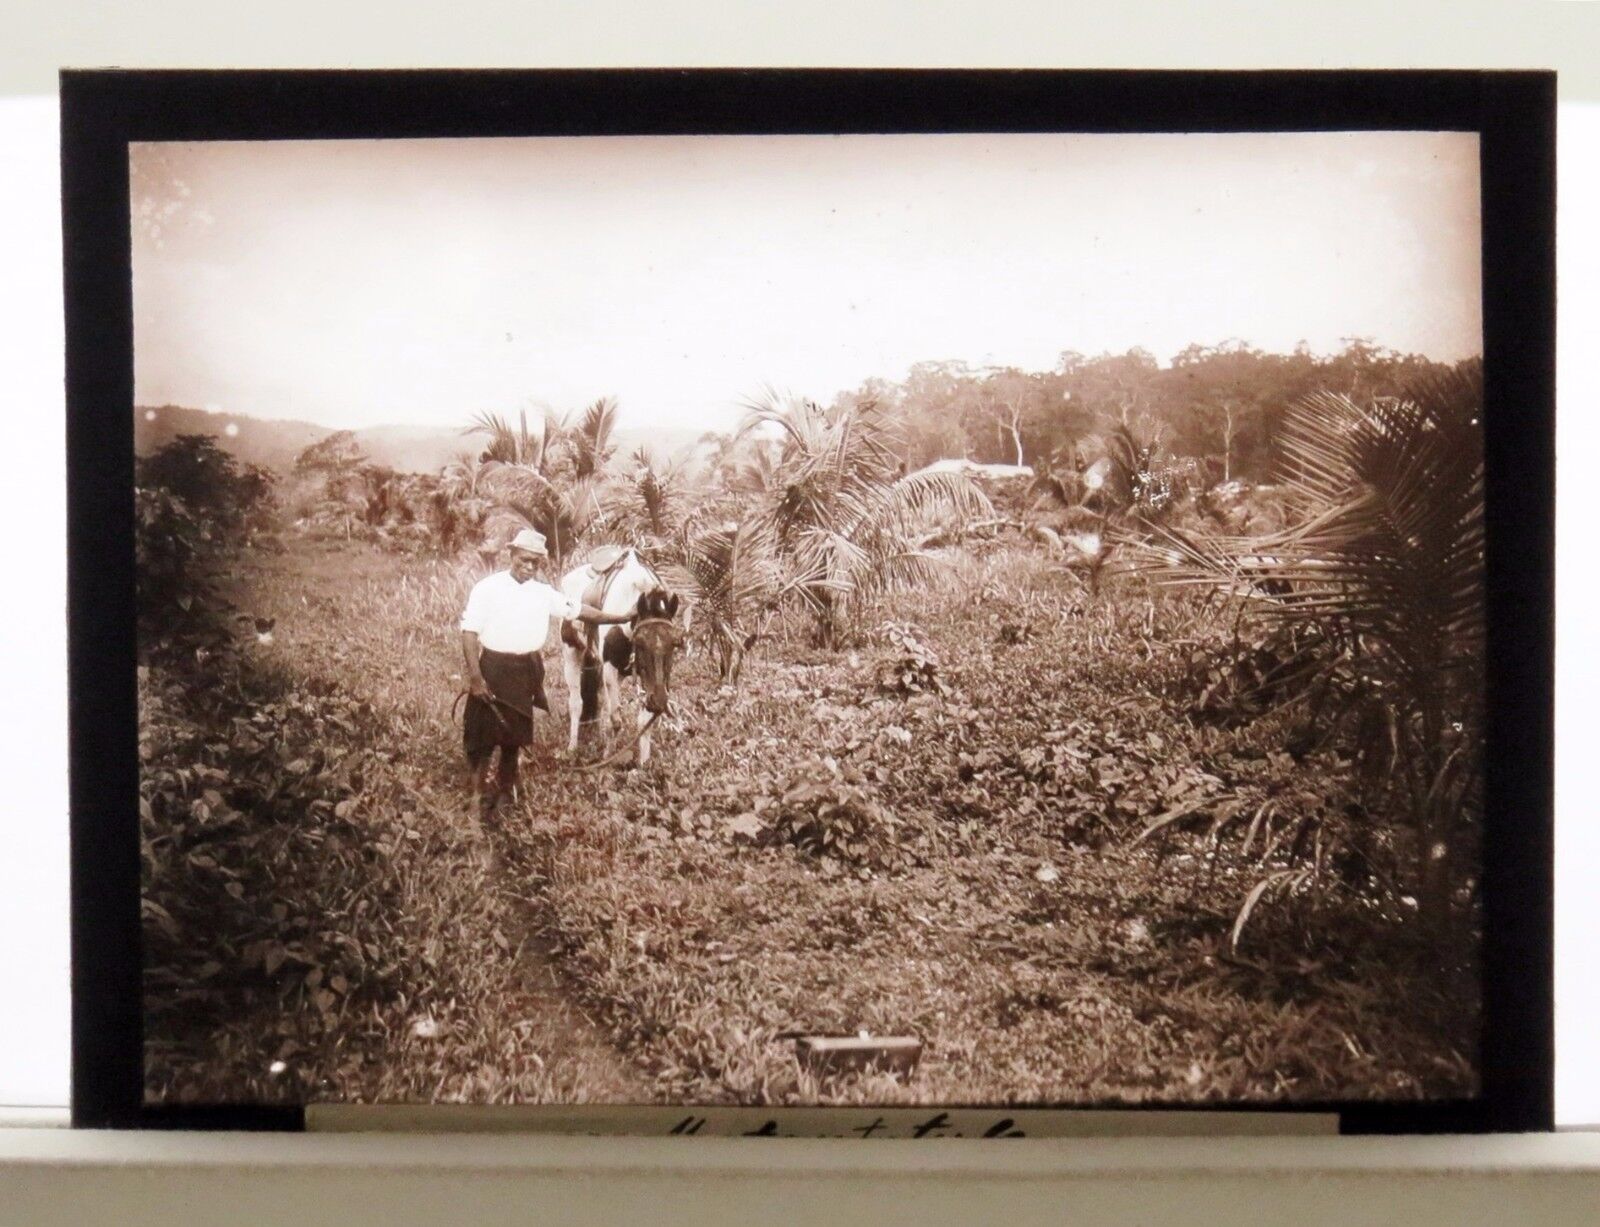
x,y
575,1059
580,1059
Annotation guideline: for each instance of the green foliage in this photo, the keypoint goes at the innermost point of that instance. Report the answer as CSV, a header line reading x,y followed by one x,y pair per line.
x,y
317,918
239,887
1241,679
174,553
1047,826
845,513
1039,951
590,439
194,508
517,445
564,509
1124,477
555,481
337,453
914,666
829,812
1223,402
654,501
229,497
733,580
1384,570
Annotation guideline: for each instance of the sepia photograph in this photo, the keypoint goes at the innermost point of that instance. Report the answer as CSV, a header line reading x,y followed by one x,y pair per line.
x,y
819,620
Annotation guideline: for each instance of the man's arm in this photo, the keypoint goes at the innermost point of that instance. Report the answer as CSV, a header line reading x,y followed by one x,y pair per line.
x,y
471,652
588,613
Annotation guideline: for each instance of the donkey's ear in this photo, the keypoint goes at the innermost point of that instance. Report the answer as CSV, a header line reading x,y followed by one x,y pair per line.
x,y
672,605
642,608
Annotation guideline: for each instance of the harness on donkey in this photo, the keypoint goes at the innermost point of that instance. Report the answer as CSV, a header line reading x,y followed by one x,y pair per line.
x,y
643,650
606,563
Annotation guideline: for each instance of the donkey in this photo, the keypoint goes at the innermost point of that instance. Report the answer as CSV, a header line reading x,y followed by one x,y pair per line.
x,y
618,581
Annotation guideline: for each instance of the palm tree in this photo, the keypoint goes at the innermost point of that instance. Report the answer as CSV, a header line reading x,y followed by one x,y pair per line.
x,y
1385,565
733,578
458,506
519,473
752,466
590,440
651,502
842,509
564,511
518,445
1126,461
507,444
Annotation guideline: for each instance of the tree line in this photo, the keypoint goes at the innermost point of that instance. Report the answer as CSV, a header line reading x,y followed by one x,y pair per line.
x,y
1224,402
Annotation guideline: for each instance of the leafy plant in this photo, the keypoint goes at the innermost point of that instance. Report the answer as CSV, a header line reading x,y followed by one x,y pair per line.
x,y
230,497
733,579
590,440
841,507
178,602
336,453
517,445
828,812
194,506
1122,478
654,501
1385,565
563,510
914,666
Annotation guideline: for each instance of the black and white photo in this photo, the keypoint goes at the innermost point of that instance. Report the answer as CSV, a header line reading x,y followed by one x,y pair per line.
x,y
899,619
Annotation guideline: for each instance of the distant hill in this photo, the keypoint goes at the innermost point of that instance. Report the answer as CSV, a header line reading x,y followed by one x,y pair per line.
x,y
271,444
413,449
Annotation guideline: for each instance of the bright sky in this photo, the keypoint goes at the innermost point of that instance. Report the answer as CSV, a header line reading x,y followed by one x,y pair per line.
x,y
359,283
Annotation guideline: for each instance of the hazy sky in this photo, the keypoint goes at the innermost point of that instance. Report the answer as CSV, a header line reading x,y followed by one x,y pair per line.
x,y
359,283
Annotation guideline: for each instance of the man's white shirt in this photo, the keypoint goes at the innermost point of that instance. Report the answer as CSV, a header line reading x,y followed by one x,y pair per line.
x,y
514,618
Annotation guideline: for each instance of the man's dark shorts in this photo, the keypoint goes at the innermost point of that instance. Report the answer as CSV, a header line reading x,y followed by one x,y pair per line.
x,y
518,682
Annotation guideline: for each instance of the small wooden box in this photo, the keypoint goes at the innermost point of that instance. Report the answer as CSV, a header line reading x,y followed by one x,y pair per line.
x,y
838,1054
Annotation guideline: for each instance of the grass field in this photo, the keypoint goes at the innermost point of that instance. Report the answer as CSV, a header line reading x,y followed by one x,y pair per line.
x,y
945,846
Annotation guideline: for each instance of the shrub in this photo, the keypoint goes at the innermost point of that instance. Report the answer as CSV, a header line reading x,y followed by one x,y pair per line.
x,y
914,666
828,812
193,506
1385,564
233,499
177,600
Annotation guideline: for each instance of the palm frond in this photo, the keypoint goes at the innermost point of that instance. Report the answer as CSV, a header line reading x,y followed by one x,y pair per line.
x,y
590,439
1389,547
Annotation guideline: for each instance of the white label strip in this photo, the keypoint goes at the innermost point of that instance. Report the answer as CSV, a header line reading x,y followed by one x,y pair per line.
x,y
811,1122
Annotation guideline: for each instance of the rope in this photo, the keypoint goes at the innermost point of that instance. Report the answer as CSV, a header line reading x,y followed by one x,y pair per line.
x,y
574,768
495,701
615,755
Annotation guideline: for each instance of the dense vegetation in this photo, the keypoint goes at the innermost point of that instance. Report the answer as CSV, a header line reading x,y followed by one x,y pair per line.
x,y
1123,775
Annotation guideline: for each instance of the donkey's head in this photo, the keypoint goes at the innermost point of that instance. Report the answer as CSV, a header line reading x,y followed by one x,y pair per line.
x,y
656,640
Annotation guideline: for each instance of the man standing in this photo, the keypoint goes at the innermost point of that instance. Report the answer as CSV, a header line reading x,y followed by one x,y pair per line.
x,y
503,632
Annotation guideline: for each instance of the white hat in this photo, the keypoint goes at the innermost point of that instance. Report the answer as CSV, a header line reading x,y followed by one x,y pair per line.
x,y
531,541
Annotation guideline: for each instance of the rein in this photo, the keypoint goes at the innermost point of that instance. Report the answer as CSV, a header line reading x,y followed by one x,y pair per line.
x,y
574,768
496,702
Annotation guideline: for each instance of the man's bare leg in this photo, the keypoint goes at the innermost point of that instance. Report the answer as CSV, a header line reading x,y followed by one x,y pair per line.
x,y
478,777
506,776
